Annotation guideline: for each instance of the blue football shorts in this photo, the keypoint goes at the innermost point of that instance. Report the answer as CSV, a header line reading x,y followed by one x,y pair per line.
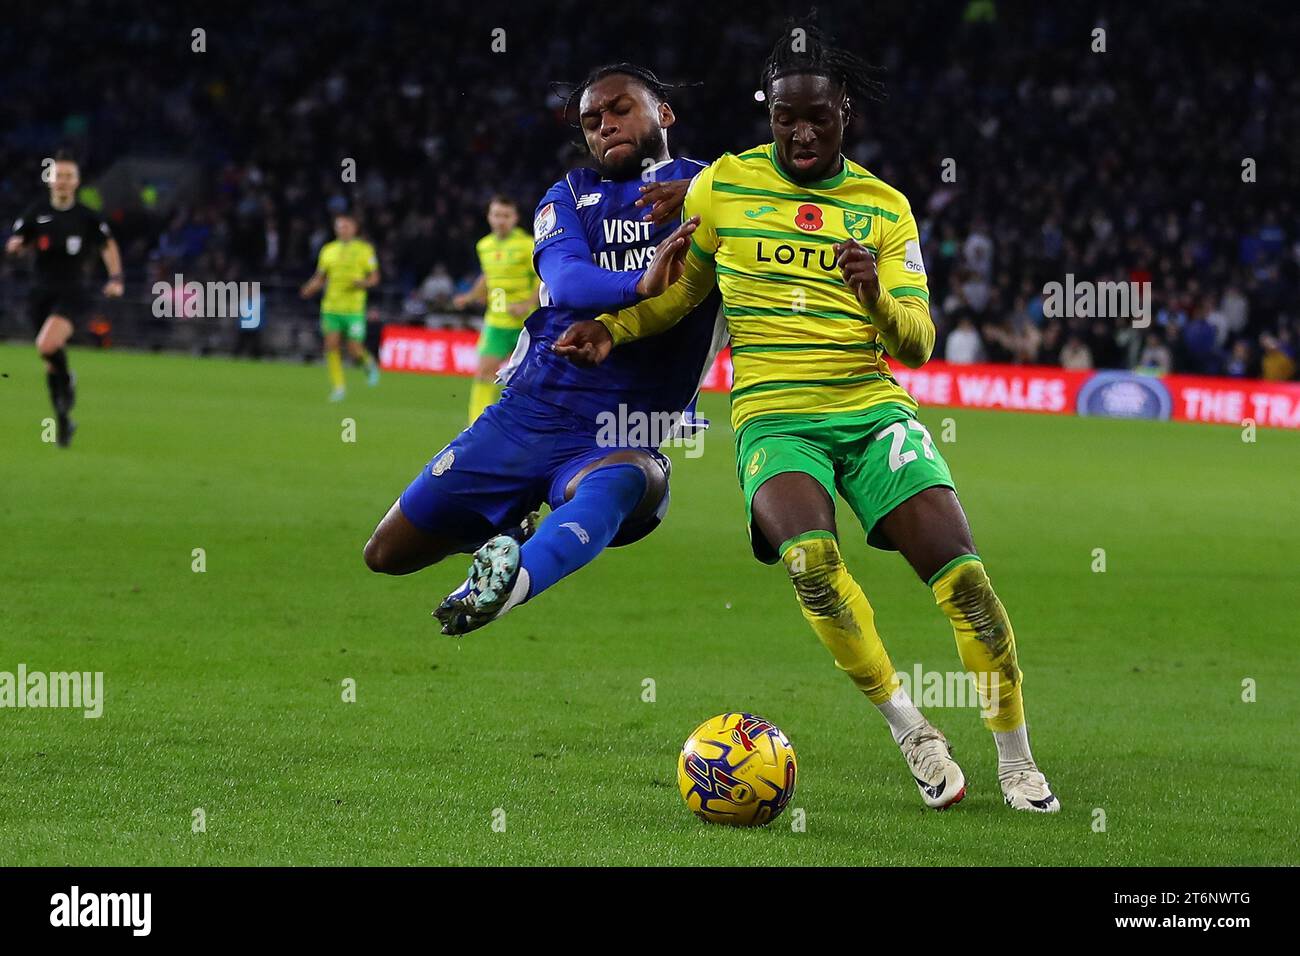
x,y
518,454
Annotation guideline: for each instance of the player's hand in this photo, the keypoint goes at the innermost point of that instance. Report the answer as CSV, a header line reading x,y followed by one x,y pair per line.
x,y
669,261
459,300
858,268
13,245
520,310
113,288
664,199
306,292
584,343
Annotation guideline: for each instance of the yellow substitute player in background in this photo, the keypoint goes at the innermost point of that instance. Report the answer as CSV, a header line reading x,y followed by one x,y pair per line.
x,y
820,268
347,267
508,287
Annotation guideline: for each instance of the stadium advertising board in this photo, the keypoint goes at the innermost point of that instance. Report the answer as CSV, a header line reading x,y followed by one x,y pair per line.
x,y
1022,388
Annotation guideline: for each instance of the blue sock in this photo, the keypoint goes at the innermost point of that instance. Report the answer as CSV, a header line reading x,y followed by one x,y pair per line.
x,y
574,533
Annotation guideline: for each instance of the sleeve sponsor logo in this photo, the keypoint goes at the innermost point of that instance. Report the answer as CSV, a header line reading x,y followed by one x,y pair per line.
x,y
912,260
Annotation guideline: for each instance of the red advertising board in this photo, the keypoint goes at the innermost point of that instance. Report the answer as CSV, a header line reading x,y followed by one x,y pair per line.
x,y
1021,388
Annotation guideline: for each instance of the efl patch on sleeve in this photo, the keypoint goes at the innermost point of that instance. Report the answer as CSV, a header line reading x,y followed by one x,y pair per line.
x,y
544,224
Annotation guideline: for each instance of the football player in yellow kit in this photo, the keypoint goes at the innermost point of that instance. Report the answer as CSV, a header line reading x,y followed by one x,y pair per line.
x,y
346,269
508,289
820,268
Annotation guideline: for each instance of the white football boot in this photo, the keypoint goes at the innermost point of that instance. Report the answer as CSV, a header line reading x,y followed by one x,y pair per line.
x,y
486,594
937,775
1028,790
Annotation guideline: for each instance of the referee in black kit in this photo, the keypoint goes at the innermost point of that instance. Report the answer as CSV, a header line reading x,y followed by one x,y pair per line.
x,y
64,233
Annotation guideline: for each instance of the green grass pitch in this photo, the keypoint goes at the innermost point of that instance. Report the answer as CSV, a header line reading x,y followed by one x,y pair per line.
x,y
224,689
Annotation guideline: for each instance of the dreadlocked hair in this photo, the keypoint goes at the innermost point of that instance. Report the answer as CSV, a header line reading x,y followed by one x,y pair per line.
x,y
645,76
804,48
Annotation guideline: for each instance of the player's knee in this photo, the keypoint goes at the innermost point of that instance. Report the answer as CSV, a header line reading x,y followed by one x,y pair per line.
x,y
965,589
815,568
655,472
654,469
379,557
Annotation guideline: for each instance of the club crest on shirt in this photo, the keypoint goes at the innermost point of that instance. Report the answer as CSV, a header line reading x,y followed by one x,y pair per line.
x,y
74,245
857,224
443,462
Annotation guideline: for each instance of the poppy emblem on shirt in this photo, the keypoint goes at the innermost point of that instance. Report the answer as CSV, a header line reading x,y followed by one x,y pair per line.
x,y
808,217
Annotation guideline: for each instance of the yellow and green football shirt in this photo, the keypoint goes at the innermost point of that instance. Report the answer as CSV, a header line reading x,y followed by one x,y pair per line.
x,y
507,266
342,264
801,342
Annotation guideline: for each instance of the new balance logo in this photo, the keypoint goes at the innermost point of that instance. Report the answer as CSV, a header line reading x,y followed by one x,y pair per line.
x,y
578,530
589,199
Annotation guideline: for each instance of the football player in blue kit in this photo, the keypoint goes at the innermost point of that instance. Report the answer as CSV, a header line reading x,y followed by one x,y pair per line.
x,y
547,439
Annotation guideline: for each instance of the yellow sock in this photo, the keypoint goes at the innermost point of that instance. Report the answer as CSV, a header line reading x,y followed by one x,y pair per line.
x,y
839,612
335,363
481,395
985,641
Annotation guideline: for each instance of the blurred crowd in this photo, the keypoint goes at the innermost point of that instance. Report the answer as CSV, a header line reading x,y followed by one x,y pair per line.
x,y
1171,157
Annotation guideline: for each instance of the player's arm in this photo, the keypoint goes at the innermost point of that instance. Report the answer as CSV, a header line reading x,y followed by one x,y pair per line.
x,y
317,280
371,278
691,281
112,257
690,284
313,285
690,276
892,290
664,200
22,229
562,257
526,307
477,294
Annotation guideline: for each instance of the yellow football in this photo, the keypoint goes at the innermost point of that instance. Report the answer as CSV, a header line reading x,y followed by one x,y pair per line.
x,y
737,769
